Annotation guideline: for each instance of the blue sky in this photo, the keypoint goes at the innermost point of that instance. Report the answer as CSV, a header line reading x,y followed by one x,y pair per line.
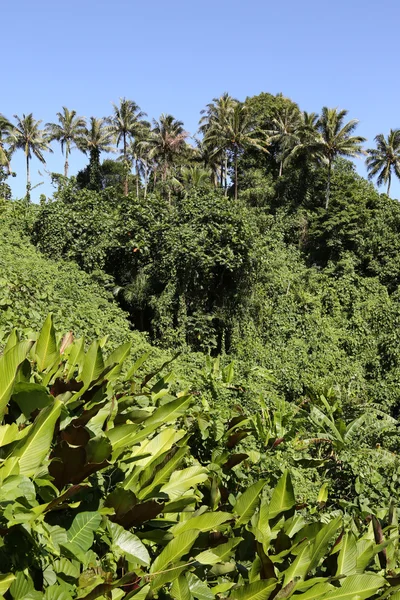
x,y
174,56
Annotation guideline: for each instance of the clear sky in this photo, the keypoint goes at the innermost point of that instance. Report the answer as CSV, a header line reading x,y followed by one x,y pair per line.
x,y
174,56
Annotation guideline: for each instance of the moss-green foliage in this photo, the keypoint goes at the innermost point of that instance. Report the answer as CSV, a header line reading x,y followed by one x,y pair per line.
x,y
32,285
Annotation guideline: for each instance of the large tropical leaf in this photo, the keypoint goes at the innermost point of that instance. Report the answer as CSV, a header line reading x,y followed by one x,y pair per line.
x,y
174,550
205,522
282,497
347,559
82,529
357,586
180,589
259,590
322,541
247,502
221,553
128,544
181,481
9,363
46,350
35,446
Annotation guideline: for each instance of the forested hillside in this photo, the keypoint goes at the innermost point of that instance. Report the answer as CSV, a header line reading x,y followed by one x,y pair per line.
x,y
257,275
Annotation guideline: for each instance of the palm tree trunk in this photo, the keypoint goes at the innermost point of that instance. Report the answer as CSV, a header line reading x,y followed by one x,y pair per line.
x,y
126,168
328,187
388,189
281,168
137,179
66,161
236,174
222,174
28,180
226,174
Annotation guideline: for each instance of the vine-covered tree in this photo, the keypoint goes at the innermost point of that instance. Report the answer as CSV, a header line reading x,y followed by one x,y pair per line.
x,y
95,139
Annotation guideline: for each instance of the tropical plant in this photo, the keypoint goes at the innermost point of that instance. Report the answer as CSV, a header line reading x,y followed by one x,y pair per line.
x,y
138,152
213,124
337,140
68,131
125,124
167,143
285,124
235,134
95,139
26,135
101,495
384,160
5,131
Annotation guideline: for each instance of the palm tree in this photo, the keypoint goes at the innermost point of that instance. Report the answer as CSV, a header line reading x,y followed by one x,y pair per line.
x,y
27,136
337,139
5,132
236,134
95,139
125,124
385,158
68,131
167,143
138,153
214,121
285,124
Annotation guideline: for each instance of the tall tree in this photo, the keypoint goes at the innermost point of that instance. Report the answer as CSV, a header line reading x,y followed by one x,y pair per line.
x,y
167,143
285,124
235,135
5,132
95,139
27,136
68,131
213,124
384,160
138,153
125,124
337,139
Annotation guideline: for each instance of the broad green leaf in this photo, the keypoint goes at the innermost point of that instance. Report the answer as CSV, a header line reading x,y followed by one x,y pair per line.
x,y
323,493
366,550
139,594
75,356
282,497
128,544
54,592
9,363
347,559
205,522
93,365
259,590
136,366
247,502
221,553
322,540
46,350
316,592
162,475
33,448
82,529
199,588
181,481
12,340
170,411
5,582
174,550
180,589
301,565
31,397
357,586
118,355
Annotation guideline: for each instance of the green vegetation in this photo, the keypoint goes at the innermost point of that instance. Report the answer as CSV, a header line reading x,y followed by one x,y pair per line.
x,y
240,437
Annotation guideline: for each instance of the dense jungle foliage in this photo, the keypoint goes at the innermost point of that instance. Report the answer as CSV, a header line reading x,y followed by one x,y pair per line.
x,y
222,418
